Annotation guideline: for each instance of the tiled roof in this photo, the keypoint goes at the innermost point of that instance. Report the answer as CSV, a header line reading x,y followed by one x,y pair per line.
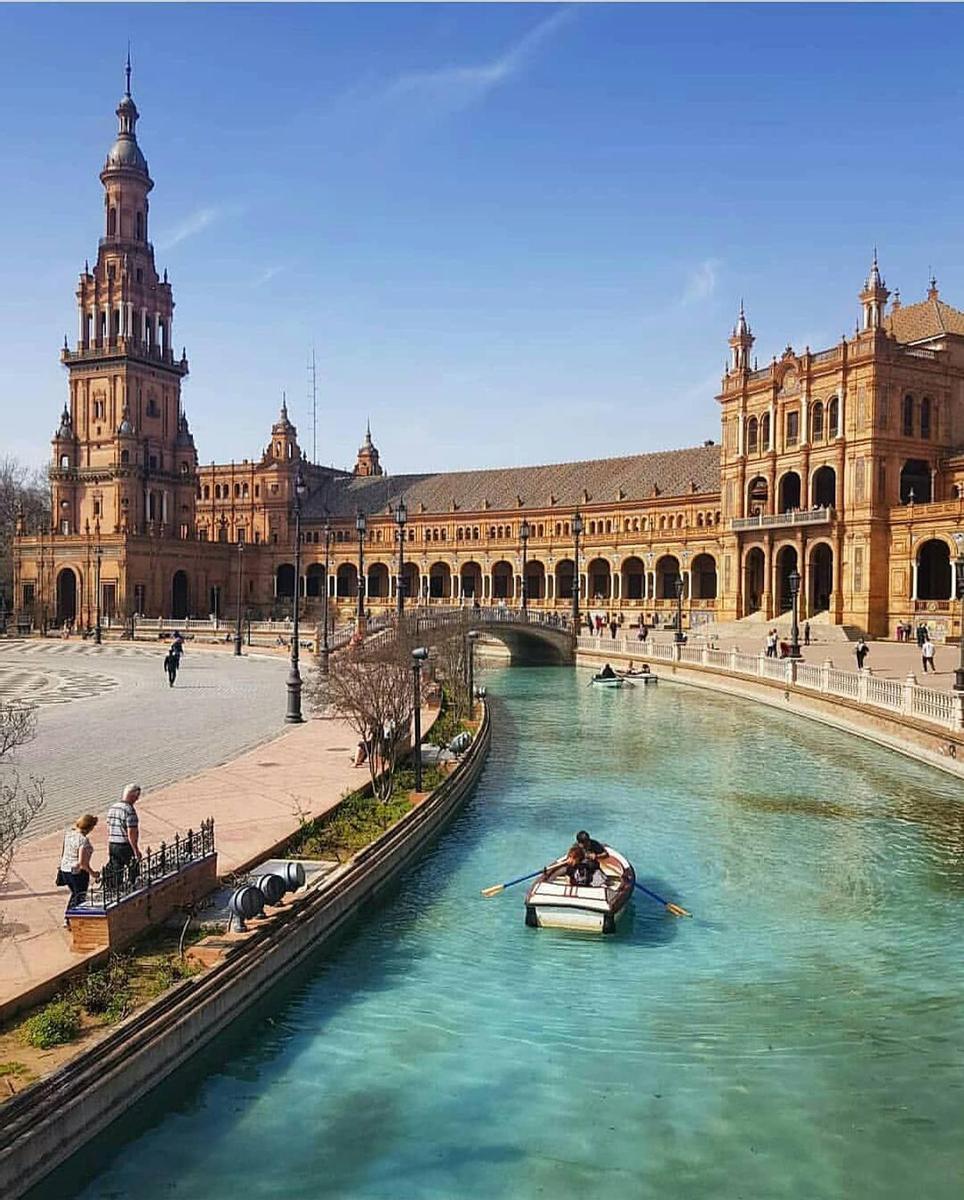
x,y
562,485
917,322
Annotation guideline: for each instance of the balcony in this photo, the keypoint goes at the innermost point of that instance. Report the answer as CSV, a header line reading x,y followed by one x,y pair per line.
x,y
120,347
809,516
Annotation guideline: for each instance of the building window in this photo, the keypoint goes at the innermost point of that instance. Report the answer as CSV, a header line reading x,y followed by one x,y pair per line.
x,y
765,431
816,423
858,568
152,462
752,435
96,508
28,595
64,462
793,427
125,456
908,416
925,417
833,418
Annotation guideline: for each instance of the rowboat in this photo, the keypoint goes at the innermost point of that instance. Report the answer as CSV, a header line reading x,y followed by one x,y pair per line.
x,y
556,904
643,677
607,681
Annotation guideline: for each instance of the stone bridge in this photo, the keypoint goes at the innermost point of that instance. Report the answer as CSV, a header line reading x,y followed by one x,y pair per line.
x,y
532,638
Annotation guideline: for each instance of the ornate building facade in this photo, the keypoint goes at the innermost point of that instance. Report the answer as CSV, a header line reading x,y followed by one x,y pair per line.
x,y
845,465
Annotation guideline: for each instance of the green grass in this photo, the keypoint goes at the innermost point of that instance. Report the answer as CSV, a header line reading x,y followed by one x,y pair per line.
x,y
15,1069
56,1023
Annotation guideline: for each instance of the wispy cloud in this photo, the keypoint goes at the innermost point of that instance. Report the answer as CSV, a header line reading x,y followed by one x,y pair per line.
x,y
266,275
194,223
701,283
455,87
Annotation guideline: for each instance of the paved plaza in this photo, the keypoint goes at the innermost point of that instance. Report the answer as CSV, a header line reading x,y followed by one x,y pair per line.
x,y
106,717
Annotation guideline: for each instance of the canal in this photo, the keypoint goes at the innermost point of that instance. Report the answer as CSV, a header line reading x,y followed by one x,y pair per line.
x,y
802,1038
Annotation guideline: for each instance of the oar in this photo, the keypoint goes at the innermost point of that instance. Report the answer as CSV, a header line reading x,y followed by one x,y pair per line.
x,y
673,908
500,887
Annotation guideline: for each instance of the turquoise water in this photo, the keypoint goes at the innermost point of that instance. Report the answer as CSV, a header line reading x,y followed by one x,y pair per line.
x,y
802,1037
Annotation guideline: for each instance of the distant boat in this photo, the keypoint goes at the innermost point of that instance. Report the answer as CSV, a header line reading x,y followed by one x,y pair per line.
x,y
644,676
557,904
607,680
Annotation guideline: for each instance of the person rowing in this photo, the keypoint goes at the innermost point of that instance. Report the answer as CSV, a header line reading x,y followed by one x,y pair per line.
x,y
576,866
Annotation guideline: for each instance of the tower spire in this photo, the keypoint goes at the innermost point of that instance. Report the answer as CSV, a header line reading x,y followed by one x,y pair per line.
x,y
127,71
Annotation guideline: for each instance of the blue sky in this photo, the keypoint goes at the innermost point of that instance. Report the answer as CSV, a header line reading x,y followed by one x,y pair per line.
x,y
512,233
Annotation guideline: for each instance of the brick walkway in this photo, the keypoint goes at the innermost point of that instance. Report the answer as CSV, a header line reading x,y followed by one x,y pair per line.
x,y
256,801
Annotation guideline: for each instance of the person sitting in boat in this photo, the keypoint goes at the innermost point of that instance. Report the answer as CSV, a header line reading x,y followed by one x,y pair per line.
x,y
595,852
576,867
607,672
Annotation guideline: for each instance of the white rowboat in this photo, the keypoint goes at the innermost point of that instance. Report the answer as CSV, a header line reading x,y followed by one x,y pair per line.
x,y
556,904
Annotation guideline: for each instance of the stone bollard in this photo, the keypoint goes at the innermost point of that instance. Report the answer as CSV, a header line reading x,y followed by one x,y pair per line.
x,y
825,670
907,697
863,684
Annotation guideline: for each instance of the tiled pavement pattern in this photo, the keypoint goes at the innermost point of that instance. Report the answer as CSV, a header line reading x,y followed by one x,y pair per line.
x,y
107,717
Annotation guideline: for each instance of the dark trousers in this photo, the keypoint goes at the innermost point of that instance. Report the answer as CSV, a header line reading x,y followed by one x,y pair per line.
x,y
929,662
171,673
121,856
78,882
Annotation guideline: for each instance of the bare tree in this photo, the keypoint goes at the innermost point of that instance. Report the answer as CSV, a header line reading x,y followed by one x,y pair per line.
x,y
19,802
372,691
21,489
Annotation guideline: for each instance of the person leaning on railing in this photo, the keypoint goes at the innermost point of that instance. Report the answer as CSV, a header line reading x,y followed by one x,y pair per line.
x,y
123,833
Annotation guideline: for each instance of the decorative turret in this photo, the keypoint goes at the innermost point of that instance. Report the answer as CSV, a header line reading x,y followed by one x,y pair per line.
x,y
741,343
284,437
873,299
367,461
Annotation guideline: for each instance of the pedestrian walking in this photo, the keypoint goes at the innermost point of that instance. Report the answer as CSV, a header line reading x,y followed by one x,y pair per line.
x,y
806,633
922,635
171,661
861,650
123,832
613,628
900,631
75,869
927,655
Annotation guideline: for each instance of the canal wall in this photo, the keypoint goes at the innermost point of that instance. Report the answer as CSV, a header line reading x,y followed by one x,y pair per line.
x,y
44,1125
929,743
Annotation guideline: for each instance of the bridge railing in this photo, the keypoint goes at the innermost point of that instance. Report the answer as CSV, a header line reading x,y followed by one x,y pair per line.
x,y
469,616
863,688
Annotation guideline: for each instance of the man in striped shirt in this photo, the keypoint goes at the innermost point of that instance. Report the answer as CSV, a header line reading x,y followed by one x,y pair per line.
x,y
122,831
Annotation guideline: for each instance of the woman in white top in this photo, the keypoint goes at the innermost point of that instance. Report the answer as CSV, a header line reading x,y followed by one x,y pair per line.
x,y
75,868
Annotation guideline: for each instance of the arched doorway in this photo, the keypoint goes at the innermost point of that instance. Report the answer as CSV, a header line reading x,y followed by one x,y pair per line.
x,y
179,595
757,496
600,579
285,582
915,482
535,581
821,578
67,589
754,576
632,578
823,488
934,574
789,492
378,581
410,581
440,581
703,576
346,581
667,574
315,581
787,563
470,577
565,574
502,575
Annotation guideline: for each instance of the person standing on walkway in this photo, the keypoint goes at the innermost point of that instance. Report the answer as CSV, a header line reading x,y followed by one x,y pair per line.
x,y
123,832
171,661
927,655
75,870
922,635
806,633
613,627
861,651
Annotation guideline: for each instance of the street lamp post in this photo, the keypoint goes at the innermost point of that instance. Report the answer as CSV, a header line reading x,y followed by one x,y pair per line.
x,y
98,553
525,529
361,525
577,528
325,648
959,579
472,637
237,631
418,657
401,516
293,715
794,581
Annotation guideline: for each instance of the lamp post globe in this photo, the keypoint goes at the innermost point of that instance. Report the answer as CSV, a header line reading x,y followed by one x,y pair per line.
x,y
401,517
361,525
959,581
293,714
577,528
525,530
793,581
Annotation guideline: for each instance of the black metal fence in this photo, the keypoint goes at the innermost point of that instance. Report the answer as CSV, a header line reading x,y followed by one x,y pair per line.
x,y
118,882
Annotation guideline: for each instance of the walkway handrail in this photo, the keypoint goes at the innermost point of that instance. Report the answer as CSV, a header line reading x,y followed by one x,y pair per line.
x,y
904,697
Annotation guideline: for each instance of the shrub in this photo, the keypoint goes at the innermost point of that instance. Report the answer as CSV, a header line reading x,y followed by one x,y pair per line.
x,y
56,1023
107,990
